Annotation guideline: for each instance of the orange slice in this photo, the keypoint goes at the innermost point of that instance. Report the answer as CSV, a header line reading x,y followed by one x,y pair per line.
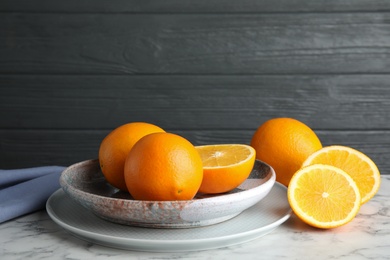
x,y
323,196
358,165
225,166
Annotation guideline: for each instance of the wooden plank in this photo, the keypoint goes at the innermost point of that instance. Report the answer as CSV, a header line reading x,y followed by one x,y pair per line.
x,y
277,43
28,148
190,6
194,102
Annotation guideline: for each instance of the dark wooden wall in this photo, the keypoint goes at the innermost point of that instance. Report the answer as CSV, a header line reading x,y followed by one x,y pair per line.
x,y
211,71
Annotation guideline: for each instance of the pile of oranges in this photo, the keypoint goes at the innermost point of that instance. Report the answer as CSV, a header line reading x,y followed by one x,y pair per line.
x,y
151,164
325,185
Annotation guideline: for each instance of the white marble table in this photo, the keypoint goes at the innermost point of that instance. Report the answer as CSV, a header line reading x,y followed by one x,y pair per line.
x,y
36,236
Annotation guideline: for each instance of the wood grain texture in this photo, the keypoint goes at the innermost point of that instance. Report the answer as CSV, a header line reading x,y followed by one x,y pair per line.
x,y
190,6
212,71
359,102
207,44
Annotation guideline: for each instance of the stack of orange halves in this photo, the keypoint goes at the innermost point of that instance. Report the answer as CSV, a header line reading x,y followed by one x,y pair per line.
x,y
326,185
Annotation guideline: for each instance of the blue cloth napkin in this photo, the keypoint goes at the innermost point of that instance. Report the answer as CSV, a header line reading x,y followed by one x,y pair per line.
x,y
23,191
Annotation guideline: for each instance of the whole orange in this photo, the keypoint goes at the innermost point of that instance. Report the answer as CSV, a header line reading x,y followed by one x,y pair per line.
x,y
163,166
284,143
116,146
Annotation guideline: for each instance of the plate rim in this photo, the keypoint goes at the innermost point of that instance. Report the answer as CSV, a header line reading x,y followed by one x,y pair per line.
x,y
149,245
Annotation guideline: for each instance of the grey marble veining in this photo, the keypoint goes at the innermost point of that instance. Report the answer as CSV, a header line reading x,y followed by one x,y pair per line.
x,y
36,236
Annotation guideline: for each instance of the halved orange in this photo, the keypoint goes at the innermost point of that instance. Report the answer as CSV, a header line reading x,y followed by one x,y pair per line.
x,y
358,165
225,166
323,196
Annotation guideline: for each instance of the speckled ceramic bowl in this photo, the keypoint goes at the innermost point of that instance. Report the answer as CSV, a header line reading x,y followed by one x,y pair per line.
x,y
85,183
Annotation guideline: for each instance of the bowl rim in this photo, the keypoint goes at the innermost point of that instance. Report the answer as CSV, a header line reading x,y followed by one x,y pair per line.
x,y
68,188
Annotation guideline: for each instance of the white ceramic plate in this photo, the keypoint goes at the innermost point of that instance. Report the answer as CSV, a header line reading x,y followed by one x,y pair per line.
x,y
85,183
254,222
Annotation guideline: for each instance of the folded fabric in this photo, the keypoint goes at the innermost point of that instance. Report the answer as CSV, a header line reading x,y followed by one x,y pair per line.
x,y
12,177
26,190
